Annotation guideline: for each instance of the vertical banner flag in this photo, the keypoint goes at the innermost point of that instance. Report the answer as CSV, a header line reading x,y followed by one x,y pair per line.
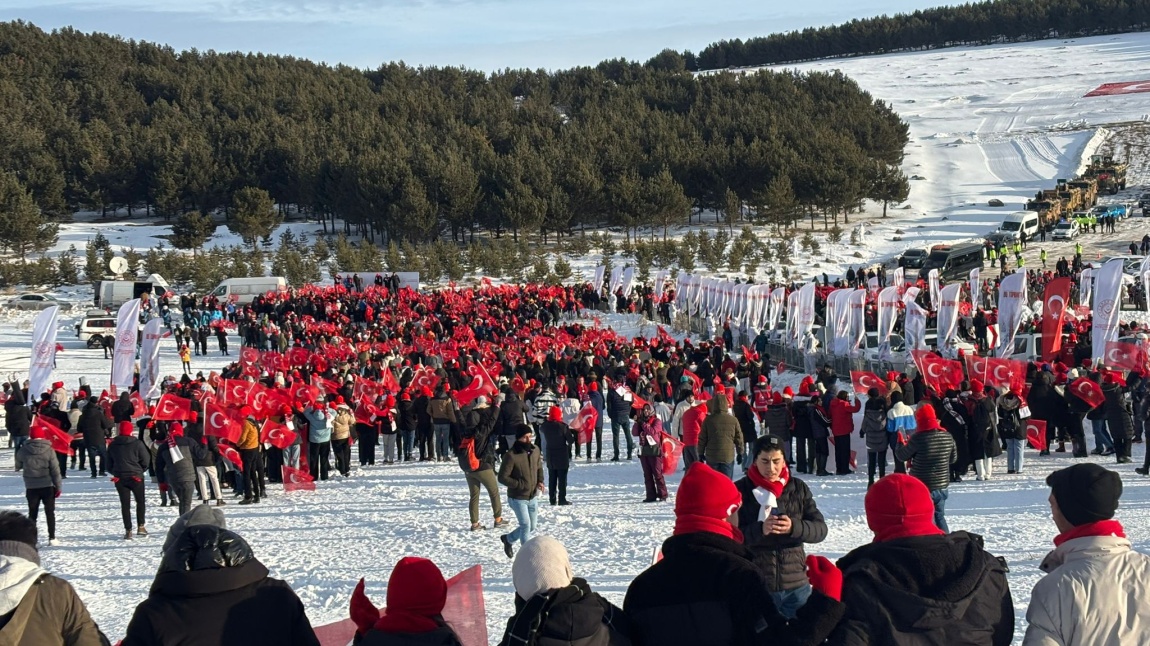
x,y
1144,273
1055,298
975,290
792,318
124,356
1011,300
597,280
915,327
806,310
43,357
150,359
1085,285
888,300
932,284
830,321
898,278
1106,305
857,301
775,307
948,313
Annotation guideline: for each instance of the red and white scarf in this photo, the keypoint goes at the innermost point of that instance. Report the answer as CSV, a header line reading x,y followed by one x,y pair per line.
x,y
767,492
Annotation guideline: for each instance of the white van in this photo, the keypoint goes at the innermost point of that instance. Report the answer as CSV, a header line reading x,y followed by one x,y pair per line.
x,y
245,290
1020,222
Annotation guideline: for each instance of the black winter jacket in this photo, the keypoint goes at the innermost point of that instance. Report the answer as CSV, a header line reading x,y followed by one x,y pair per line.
x,y
557,440
17,416
779,420
706,590
210,589
440,637
480,424
122,409
568,616
511,414
931,453
801,413
94,425
782,559
184,470
617,407
1118,418
925,590
128,457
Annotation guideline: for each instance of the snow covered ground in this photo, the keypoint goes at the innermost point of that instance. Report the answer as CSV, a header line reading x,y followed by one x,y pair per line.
x,y
995,122
323,542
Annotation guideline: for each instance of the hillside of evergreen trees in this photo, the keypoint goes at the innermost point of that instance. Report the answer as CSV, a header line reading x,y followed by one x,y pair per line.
x,y
93,122
982,23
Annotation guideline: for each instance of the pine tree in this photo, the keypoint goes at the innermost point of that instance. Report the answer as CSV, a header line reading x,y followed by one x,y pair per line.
x,y
253,215
23,228
67,271
191,230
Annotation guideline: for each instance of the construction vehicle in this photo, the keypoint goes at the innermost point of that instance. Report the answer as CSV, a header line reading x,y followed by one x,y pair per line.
x,y
1111,175
1089,188
1048,208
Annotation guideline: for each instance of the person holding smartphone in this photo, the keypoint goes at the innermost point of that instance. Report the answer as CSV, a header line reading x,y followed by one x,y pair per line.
x,y
778,515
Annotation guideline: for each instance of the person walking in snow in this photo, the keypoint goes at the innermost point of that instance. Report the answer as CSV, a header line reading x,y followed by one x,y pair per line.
x,y
128,459
522,474
1095,586
557,441
931,452
42,478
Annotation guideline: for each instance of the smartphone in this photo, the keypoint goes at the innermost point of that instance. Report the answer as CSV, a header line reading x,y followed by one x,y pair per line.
x,y
775,511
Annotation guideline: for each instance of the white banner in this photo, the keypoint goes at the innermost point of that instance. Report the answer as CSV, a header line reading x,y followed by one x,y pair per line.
x,y
1011,301
911,295
43,353
1106,305
841,321
914,328
597,278
948,313
898,278
124,356
1085,284
857,305
775,307
1144,272
975,290
150,359
628,280
660,282
616,278
792,319
932,285
888,300
805,303
872,285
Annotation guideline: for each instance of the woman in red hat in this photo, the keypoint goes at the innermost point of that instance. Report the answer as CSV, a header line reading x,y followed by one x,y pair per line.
x,y
413,614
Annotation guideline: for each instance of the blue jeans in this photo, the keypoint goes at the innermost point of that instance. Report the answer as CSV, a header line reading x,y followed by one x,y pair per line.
x,y
18,441
788,602
442,441
1014,450
725,468
291,456
939,497
407,441
1101,435
527,513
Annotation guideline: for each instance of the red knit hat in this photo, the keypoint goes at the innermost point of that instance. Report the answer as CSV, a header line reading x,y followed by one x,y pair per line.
x,y
39,432
176,429
416,594
246,411
705,500
899,506
976,386
554,414
776,398
788,393
127,428
594,386
926,419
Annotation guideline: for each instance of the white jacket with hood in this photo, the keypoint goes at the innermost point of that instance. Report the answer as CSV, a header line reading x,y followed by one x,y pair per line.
x,y
1095,592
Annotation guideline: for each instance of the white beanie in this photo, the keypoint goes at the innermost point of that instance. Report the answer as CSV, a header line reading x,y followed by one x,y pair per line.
x,y
542,564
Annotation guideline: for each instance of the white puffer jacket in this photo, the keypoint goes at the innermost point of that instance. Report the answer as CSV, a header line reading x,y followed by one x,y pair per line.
x,y
1094,593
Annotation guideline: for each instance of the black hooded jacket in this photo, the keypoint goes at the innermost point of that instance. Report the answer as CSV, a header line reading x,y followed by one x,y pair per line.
x,y
568,616
210,589
17,415
925,590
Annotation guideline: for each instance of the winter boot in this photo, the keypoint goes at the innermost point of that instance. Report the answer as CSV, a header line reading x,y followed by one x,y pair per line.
x,y
128,535
220,502
1061,447
507,549
141,531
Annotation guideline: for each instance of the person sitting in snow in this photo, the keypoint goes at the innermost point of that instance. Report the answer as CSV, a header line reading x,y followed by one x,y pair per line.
x,y
413,615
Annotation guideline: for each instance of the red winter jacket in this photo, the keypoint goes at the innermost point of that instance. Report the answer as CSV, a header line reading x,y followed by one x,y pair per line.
x,y
842,416
693,423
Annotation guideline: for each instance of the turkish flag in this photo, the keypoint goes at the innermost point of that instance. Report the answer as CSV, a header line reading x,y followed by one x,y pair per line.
x,y
172,408
61,440
304,393
231,454
1124,356
296,480
139,408
298,357
222,423
781,368
327,386
366,413
388,381
1087,391
696,380
278,435
1055,299
249,356
672,451
258,400
584,422
854,461
637,401
938,373
233,392
976,367
425,377
1008,373
864,381
1036,433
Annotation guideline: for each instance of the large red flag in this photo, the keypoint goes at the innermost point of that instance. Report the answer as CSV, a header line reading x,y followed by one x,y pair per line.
x,y
696,380
231,454
172,408
389,382
938,373
465,611
1088,391
1036,433
1054,301
259,400
1007,373
249,356
278,435
672,452
60,439
366,413
296,480
584,422
222,423
139,408
864,381
1124,356
976,367
233,392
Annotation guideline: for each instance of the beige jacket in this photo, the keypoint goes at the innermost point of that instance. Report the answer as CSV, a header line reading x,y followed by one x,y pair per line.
x,y
341,425
1094,594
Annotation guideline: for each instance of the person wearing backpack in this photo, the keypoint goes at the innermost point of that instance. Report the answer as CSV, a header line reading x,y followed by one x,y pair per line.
x,y
476,456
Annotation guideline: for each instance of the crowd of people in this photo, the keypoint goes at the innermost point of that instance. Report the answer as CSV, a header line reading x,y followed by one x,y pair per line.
x,y
499,381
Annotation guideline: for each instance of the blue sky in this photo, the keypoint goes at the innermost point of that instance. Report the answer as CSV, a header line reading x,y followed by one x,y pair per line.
x,y
480,34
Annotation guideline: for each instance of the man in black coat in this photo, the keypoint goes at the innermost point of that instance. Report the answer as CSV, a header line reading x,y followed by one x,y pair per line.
x,y
557,441
619,410
17,418
175,465
122,408
1118,418
96,429
707,590
210,589
778,515
931,452
916,584
128,459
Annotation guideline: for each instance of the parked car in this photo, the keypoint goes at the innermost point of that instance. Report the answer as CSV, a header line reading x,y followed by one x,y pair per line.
x,y
36,302
1144,201
1066,230
1106,210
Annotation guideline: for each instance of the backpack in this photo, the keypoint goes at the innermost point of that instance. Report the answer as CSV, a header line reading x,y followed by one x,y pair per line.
x,y
466,453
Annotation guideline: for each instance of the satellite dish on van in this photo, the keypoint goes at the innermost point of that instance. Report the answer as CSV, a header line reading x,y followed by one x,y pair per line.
x,y
118,265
